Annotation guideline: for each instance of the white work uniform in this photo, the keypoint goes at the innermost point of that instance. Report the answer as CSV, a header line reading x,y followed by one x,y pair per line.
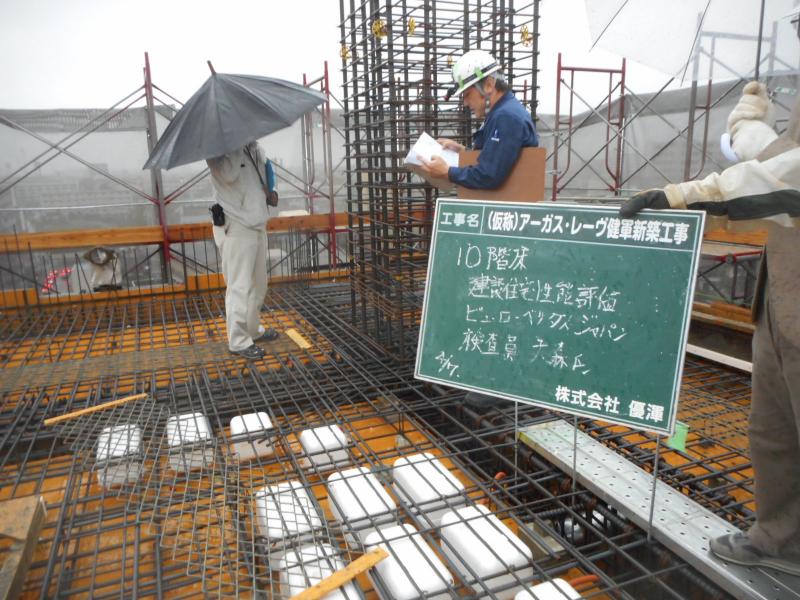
x,y
242,242
758,192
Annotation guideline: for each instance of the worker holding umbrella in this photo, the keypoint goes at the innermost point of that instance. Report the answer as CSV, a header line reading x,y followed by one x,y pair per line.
x,y
220,124
239,226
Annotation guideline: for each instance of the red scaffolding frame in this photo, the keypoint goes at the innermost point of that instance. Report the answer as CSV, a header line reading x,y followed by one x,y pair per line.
x,y
615,122
313,193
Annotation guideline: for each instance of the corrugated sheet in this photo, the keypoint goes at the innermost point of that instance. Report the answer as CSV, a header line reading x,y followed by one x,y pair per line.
x,y
72,119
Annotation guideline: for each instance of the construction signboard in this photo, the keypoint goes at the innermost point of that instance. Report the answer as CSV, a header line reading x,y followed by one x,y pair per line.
x,y
566,307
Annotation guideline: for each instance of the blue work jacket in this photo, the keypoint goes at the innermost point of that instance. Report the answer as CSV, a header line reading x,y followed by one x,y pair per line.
x,y
508,128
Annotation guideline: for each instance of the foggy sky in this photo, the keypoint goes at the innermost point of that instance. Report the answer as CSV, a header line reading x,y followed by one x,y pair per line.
x,y
90,53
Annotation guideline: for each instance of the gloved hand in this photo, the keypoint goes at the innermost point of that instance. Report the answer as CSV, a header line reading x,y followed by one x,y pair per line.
x,y
656,199
751,122
753,105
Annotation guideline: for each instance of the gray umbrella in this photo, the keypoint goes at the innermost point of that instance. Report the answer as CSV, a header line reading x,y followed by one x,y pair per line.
x,y
226,113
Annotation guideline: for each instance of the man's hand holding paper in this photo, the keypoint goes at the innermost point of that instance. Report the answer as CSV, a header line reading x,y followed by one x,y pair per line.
x,y
432,160
449,144
435,168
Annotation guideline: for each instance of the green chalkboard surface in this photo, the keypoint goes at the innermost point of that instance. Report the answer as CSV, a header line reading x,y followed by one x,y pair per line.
x,y
563,306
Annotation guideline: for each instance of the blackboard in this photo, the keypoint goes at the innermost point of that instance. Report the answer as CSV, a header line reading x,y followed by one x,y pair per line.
x,y
563,306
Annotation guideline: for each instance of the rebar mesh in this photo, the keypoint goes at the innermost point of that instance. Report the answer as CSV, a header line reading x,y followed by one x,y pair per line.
x,y
203,531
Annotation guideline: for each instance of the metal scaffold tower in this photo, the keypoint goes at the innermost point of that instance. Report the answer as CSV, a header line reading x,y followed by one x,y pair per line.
x,y
396,62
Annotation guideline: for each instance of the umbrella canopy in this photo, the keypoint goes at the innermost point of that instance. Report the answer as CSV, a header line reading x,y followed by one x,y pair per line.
x,y
228,112
700,39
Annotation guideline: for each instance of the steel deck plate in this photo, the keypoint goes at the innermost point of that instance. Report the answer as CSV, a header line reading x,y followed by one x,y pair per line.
x,y
679,522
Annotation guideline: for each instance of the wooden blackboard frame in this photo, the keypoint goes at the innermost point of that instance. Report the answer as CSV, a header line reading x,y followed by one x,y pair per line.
x,y
692,221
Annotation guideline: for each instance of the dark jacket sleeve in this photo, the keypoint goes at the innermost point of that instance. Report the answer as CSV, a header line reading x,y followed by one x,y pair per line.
x,y
499,153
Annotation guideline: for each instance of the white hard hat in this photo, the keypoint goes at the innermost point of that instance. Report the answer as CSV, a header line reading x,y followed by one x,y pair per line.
x,y
471,68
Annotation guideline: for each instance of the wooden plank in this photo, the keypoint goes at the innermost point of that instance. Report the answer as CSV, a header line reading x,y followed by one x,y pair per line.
x,y
189,232
317,222
81,238
316,277
13,298
140,236
21,519
27,296
753,238
343,576
738,324
737,318
212,281
93,409
112,236
298,339
724,310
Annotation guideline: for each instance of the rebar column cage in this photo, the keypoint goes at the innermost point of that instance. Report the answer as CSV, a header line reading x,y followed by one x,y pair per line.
x,y
396,62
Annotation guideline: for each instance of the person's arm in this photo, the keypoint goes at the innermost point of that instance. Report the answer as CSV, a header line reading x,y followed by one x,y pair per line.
x,y
498,155
225,168
745,191
751,178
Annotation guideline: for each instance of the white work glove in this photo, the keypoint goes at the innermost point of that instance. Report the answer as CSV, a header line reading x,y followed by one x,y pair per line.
x,y
751,122
753,105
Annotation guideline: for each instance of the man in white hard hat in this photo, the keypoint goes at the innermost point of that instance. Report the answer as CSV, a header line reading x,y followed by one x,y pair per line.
x,y
240,221
762,190
507,129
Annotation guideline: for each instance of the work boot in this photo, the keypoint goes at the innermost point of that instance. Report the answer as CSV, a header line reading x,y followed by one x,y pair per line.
x,y
737,548
252,352
268,335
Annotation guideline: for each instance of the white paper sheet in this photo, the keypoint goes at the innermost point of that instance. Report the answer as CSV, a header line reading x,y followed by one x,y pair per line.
x,y
427,147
